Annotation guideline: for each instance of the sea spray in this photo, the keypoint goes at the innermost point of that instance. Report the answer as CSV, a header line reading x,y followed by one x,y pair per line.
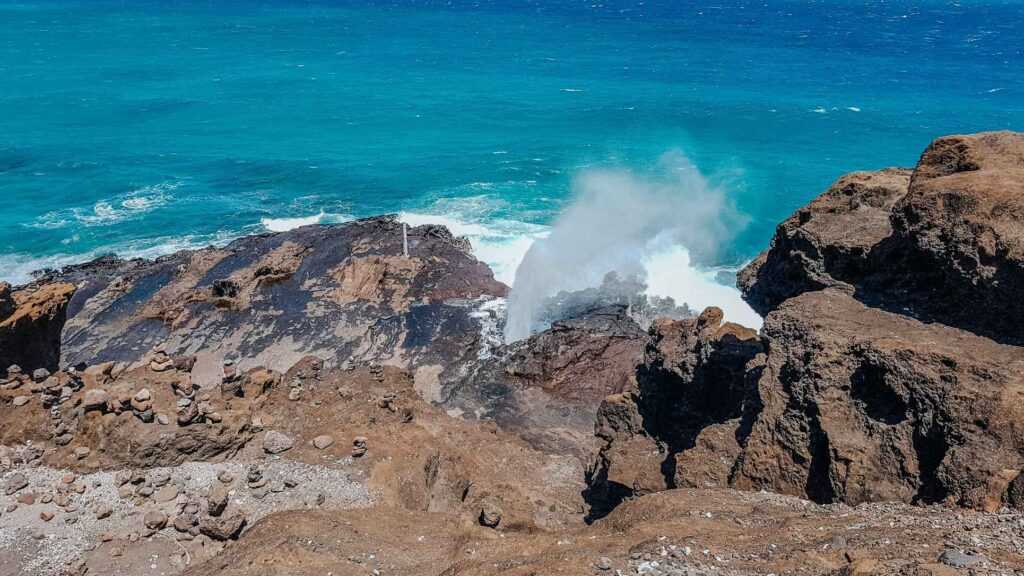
x,y
620,221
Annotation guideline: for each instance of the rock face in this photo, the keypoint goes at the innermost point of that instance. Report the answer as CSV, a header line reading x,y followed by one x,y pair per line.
x,y
678,426
890,366
30,325
548,387
342,293
860,404
944,245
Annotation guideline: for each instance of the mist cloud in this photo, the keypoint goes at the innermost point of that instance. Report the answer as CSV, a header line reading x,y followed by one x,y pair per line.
x,y
618,219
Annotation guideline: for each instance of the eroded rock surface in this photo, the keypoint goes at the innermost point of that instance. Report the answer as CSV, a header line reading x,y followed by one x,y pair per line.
x,y
547,388
343,293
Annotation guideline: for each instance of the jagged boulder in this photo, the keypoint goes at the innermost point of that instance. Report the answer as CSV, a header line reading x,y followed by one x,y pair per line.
x,y
547,388
827,243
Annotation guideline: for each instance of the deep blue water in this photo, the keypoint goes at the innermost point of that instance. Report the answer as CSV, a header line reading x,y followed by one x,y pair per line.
x,y
141,126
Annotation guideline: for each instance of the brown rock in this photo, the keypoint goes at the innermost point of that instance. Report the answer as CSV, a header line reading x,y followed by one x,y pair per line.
x,y
31,321
154,520
322,442
223,528
217,501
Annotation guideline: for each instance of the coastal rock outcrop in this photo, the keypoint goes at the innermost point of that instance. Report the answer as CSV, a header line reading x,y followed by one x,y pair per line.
x,y
859,404
678,425
890,368
344,293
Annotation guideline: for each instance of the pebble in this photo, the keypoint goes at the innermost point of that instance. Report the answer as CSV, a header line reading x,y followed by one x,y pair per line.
x,y
322,442
359,446
154,520
275,442
16,482
958,559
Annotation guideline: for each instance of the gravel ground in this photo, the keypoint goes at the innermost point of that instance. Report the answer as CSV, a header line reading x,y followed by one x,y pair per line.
x,y
31,546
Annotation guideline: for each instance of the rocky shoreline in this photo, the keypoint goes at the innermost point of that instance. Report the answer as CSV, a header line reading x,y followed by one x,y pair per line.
x,y
322,401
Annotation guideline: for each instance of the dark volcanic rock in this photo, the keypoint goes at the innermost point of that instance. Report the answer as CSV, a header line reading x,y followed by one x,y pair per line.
x,y
343,293
548,387
31,320
946,246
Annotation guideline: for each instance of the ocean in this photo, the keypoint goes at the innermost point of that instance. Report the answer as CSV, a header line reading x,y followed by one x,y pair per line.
x,y
672,136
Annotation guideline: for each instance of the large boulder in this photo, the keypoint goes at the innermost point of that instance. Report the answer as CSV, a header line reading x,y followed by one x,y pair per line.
x,y
828,242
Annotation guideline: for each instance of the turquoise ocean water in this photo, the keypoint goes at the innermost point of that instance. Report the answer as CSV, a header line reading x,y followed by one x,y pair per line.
x,y
143,126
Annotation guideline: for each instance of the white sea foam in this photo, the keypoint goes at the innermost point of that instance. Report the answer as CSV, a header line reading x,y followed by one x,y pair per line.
x,y
500,243
286,224
671,273
657,225
110,211
18,268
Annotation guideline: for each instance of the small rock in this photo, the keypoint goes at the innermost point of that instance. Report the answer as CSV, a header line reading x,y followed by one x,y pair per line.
x,y
163,419
143,395
490,514
958,559
359,447
225,477
16,482
322,442
46,515
82,452
21,400
70,478
154,520
166,494
95,399
226,528
26,498
40,374
603,564
103,511
217,501
295,394
275,442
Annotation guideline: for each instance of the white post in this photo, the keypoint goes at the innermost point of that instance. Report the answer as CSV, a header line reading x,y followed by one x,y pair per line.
x,y
405,240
